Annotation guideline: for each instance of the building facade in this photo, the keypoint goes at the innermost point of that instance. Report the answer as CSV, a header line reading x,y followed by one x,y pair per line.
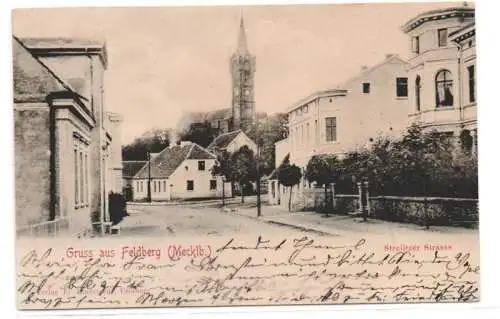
x,y
374,103
442,77
178,172
59,110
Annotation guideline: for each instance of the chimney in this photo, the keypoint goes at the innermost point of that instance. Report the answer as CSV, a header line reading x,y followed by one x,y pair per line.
x,y
364,68
389,55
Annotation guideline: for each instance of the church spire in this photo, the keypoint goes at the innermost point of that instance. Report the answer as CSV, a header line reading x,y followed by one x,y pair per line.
x,y
242,38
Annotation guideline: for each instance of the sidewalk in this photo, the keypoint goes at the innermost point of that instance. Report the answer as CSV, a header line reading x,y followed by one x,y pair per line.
x,y
339,225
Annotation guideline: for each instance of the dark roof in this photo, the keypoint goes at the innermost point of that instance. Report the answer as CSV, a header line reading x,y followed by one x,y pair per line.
x,y
223,140
31,77
168,160
221,114
130,168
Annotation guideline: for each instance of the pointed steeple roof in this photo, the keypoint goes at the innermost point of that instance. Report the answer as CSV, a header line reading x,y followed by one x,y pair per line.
x,y
242,39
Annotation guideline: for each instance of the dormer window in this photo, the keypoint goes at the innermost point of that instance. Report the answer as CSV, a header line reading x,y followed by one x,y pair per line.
x,y
442,37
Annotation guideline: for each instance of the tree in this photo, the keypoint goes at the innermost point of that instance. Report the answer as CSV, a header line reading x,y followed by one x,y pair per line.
x,y
289,176
224,167
151,141
269,130
200,133
244,169
324,170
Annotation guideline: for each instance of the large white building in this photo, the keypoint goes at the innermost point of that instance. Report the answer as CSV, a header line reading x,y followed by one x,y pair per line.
x,y
442,72
373,103
436,88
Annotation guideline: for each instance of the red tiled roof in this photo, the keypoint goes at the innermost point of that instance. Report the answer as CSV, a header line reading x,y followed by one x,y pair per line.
x,y
168,160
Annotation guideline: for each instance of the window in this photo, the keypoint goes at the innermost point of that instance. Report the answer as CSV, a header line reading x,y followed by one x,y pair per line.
x,y
86,176
190,185
444,87
418,85
75,173
442,37
154,186
331,129
415,45
201,165
164,186
81,179
306,109
366,87
472,84
308,132
402,87
213,184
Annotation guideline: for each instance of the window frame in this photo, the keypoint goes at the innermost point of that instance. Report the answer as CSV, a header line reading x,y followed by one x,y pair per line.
x,y
440,41
188,183
329,129
213,182
403,86
446,83
201,166
365,88
471,76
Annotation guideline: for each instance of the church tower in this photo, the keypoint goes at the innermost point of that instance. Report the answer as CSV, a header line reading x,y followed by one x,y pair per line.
x,y
242,73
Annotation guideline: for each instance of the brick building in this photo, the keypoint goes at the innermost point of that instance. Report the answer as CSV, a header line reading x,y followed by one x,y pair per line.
x,y
62,138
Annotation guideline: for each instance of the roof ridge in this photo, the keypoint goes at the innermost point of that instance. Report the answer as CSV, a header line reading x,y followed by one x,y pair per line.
x,y
371,69
190,151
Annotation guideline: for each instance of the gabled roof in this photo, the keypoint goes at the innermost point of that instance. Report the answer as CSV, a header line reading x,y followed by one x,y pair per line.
x,y
391,58
130,168
339,90
32,77
222,141
168,160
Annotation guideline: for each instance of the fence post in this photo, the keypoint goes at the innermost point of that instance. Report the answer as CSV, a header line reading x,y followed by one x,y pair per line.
x,y
332,185
360,198
367,195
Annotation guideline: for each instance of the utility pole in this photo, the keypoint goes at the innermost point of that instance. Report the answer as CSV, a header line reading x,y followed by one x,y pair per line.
x,y
259,212
149,177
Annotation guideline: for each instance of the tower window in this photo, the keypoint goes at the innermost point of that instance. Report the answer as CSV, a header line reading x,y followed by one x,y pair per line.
x,y
442,37
366,87
402,87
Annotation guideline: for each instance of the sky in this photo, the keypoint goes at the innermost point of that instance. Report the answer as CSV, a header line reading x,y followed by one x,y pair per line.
x,y
164,61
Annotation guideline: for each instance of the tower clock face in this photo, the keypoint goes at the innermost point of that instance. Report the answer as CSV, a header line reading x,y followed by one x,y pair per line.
x,y
247,92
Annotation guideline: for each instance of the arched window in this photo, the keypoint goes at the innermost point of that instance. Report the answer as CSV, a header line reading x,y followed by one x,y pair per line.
x,y
444,88
418,86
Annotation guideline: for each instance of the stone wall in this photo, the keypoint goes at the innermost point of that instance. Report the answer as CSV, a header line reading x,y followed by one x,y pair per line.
x,y
32,164
433,211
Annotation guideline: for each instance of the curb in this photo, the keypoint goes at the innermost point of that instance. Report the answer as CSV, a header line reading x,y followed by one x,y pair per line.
x,y
311,230
273,222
